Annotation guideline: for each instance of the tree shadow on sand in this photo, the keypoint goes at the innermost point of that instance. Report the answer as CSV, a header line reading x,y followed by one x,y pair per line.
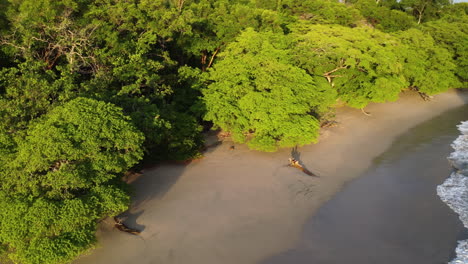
x,y
130,220
154,183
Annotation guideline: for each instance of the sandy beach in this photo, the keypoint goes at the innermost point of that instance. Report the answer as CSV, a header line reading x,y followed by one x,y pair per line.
x,y
391,213
241,206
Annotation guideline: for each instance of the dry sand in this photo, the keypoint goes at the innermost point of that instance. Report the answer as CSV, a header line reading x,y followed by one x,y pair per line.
x,y
241,206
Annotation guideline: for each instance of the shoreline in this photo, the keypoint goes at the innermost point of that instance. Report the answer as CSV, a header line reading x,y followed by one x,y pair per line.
x,y
391,213
242,206
454,190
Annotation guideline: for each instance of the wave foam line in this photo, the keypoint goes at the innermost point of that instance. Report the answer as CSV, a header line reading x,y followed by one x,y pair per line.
x,y
454,191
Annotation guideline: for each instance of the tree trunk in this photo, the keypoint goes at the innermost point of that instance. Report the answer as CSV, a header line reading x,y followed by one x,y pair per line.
x,y
203,60
420,13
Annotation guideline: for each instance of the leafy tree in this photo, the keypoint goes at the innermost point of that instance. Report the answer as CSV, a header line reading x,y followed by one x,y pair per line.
x,y
212,24
360,63
137,72
457,12
3,21
62,177
383,18
424,10
53,36
428,68
323,12
261,98
7,147
29,91
454,37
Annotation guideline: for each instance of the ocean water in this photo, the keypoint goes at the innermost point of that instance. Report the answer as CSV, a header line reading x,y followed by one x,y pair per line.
x,y
454,191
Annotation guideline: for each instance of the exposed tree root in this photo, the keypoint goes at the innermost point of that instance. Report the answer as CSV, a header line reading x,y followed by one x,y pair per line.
x,y
364,112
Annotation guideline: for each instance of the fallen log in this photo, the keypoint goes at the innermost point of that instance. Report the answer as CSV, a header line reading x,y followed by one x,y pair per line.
x,y
122,227
294,163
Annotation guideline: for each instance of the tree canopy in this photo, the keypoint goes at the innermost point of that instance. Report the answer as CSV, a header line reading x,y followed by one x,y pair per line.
x,y
58,180
258,95
360,63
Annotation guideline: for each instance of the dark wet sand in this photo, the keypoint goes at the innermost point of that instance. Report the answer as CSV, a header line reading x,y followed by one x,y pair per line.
x,y
391,214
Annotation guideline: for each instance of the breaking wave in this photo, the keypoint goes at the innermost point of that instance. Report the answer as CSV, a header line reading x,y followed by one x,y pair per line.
x,y
454,191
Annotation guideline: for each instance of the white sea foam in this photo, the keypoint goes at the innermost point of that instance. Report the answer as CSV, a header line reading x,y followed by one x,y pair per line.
x,y
454,191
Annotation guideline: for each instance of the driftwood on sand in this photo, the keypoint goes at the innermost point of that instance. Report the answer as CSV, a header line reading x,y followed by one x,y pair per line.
x,y
122,227
294,163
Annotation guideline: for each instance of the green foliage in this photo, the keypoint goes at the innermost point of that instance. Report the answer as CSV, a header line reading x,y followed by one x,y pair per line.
x,y
7,147
45,231
214,23
79,144
29,91
383,18
455,13
47,31
60,179
3,20
454,37
323,12
428,67
361,64
261,98
424,10
126,56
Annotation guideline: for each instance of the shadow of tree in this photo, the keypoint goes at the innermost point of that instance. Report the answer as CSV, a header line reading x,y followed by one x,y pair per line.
x,y
154,182
463,94
130,220
295,154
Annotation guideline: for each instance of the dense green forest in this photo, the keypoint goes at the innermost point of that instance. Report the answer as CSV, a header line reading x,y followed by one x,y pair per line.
x,y
91,88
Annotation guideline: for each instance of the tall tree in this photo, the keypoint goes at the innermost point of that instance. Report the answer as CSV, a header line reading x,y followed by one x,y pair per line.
x,y
424,10
259,96
361,64
429,68
379,15
323,12
454,37
62,177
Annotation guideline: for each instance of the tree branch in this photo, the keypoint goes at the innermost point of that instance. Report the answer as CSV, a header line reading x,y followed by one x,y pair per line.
x,y
213,56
